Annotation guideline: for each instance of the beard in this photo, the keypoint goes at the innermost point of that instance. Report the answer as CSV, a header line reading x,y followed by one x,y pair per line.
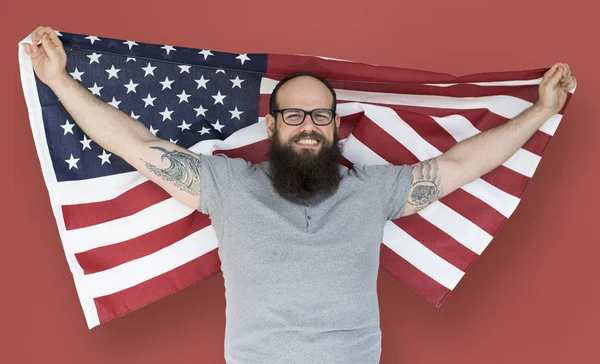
x,y
302,176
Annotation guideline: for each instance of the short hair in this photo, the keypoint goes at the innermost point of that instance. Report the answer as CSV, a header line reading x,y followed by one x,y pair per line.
x,y
273,99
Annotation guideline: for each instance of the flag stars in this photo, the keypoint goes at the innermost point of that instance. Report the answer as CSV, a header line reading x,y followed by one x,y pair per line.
x,y
243,58
72,162
130,58
149,70
114,103
95,89
173,141
237,82
134,116
206,53
94,57
202,82
167,83
217,126
184,69
219,98
183,97
153,131
104,157
68,127
200,111
220,71
92,38
131,86
130,44
166,114
204,130
168,48
112,72
76,74
86,142
235,113
149,100
184,126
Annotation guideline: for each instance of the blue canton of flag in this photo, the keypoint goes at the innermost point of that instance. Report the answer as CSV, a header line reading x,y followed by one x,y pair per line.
x,y
181,94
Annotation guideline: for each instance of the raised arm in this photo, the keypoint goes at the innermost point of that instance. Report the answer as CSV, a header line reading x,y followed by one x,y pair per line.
x,y
170,166
472,158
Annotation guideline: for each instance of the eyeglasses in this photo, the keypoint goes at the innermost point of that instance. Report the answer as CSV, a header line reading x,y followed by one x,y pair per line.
x,y
294,117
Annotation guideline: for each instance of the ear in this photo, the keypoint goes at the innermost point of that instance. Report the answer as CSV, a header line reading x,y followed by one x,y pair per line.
x,y
270,121
338,119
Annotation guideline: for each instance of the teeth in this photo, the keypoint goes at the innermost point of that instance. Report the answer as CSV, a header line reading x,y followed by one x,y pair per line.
x,y
307,141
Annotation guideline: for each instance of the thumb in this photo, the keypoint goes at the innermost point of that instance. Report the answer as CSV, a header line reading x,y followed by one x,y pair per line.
x,y
51,51
555,78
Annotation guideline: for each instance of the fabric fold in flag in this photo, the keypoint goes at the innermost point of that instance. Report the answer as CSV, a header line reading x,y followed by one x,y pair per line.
x,y
128,243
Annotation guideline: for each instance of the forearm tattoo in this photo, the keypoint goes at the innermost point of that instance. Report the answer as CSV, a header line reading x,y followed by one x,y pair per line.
x,y
426,187
183,172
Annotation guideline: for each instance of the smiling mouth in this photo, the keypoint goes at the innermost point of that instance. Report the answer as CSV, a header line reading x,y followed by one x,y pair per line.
x,y
307,142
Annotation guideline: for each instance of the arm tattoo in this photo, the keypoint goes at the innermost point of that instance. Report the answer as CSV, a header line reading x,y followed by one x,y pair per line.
x,y
426,187
184,170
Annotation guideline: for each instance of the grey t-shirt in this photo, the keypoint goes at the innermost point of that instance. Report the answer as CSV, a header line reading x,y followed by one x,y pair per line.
x,y
300,280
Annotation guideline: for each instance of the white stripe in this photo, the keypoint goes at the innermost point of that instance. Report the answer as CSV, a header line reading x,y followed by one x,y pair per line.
x,y
420,256
457,226
536,81
248,135
499,200
125,228
460,128
142,269
358,153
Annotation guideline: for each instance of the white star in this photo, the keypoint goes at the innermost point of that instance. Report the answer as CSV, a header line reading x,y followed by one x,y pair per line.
x,y
94,57
149,100
96,89
219,98
104,157
184,69
112,72
243,57
86,142
206,53
130,58
68,127
237,82
235,113
92,38
217,126
77,74
168,48
202,82
166,114
72,162
173,141
200,110
134,116
58,33
114,103
184,126
166,83
204,130
153,131
131,86
149,70
130,43
183,97
220,70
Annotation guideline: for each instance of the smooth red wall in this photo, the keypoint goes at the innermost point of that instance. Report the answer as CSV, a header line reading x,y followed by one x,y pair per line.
x,y
532,297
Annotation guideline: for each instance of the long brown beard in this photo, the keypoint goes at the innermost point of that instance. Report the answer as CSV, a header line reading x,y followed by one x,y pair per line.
x,y
299,177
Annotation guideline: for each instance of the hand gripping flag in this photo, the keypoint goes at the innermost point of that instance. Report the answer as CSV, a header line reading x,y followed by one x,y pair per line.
x,y
128,243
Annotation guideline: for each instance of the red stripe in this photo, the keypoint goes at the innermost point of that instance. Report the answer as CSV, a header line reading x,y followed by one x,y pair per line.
x,y
474,210
436,240
408,274
110,256
126,204
127,300
281,65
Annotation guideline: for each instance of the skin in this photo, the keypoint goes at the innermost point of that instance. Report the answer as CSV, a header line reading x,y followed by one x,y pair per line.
x,y
177,170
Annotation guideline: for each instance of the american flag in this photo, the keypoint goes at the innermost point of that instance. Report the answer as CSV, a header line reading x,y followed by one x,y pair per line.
x,y
128,243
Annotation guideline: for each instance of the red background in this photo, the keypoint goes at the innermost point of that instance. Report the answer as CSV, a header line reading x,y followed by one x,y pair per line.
x,y
530,298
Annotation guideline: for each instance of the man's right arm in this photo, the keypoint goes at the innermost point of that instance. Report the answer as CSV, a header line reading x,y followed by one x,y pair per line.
x,y
172,167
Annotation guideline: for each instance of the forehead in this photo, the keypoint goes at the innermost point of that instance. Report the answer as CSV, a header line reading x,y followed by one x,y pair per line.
x,y
304,92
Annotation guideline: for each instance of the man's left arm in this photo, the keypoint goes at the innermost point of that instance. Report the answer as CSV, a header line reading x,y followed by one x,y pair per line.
x,y
470,159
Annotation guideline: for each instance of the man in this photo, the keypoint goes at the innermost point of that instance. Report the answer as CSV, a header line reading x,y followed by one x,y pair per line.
x,y
299,236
